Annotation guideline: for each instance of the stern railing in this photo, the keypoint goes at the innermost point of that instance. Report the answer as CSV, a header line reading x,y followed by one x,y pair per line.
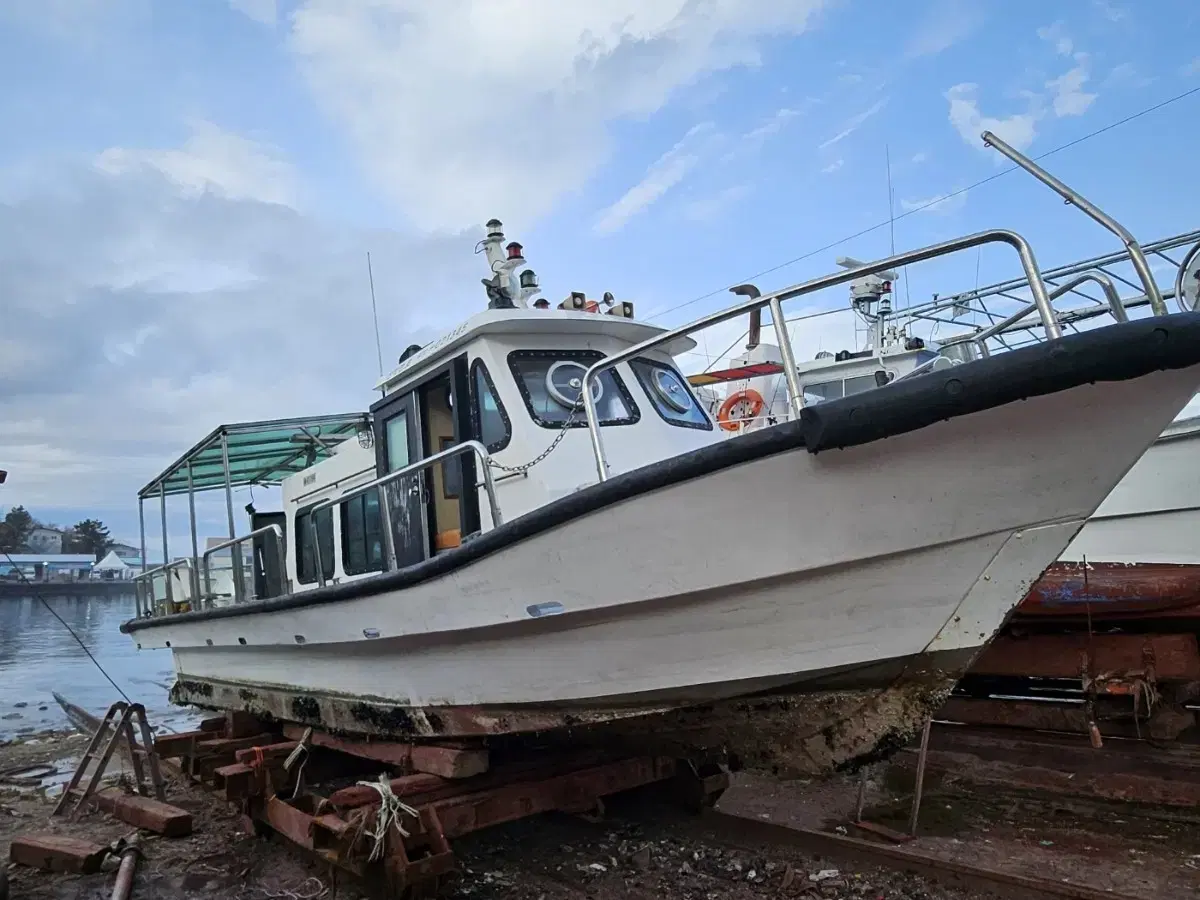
x,y
233,545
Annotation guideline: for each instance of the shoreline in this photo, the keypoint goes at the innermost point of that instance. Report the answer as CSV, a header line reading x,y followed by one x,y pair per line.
x,y
13,589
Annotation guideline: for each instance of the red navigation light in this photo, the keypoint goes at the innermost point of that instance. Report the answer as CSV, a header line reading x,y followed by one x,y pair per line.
x,y
514,250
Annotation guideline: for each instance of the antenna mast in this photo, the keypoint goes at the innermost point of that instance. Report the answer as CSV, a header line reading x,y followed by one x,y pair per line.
x,y
375,316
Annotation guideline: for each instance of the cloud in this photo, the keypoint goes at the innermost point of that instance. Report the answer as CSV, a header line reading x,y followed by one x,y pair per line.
x,y
461,108
919,158
1192,68
833,166
89,23
1019,129
662,175
1067,95
1109,11
945,24
853,124
754,139
1053,34
939,204
213,159
1127,75
149,312
263,11
710,207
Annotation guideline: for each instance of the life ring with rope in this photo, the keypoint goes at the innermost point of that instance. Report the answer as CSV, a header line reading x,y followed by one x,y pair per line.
x,y
746,403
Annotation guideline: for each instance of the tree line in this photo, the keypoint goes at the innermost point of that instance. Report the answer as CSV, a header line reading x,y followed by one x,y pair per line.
x,y
89,536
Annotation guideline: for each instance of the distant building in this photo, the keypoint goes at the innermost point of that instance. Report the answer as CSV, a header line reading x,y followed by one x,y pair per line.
x,y
126,552
45,540
46,566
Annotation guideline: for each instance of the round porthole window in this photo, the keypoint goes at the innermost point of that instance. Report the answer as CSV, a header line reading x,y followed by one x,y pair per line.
x,y
671,390
564,382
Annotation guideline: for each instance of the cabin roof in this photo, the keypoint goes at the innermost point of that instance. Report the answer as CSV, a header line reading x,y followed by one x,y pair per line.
x,y
261,453
509,322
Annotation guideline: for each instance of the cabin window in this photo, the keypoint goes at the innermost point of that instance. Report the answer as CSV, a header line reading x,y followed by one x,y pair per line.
x,y
306,546
551,382
397,441
362,534
669,394
492,426
842,387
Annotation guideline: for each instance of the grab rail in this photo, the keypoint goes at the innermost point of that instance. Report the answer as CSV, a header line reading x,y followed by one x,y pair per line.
x,y
1115,303
239,583
1136,256
775,300
1180,287
389,546
147,578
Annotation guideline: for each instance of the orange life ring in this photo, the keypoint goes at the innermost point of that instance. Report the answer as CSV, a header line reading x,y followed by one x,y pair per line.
x,y
754,405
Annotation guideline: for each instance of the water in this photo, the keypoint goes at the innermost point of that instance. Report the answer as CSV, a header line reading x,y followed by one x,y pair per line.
x,y
39,656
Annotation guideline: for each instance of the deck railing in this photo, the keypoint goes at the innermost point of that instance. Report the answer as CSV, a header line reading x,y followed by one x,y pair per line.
x,y
385,515
143,588
774,301
234,547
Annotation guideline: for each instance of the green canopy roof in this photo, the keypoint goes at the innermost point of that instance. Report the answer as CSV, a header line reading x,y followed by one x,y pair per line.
x,y
261,453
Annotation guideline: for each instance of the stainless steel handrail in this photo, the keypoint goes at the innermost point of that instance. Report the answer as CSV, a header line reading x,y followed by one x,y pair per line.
x,y
239,581
1136,256
428,462
1180,292
1116,306
148,578
774,301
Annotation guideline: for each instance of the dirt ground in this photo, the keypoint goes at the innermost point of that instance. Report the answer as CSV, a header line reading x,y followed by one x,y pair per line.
x,y
623,856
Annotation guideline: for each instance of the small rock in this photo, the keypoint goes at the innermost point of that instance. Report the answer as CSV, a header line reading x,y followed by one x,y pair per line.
x,y
823,875
686,869
43,708
598,867
12,716
789,875
640,859
20,705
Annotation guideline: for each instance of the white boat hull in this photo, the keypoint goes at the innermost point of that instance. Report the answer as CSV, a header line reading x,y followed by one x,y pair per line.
x,y
863,577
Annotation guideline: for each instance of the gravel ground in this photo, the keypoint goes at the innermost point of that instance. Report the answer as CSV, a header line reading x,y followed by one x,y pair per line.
x,y
629,854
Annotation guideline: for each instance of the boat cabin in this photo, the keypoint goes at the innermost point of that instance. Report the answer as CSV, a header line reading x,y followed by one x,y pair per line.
x,y
476,428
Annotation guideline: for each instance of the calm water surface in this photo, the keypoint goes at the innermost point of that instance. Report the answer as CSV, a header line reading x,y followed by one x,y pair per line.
x,y
38,656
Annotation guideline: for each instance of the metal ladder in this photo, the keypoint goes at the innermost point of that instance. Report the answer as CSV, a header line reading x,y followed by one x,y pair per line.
x,y
120,718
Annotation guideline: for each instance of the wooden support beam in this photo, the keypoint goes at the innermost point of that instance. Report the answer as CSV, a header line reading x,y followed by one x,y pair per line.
x,y
57,853
432,759
145,812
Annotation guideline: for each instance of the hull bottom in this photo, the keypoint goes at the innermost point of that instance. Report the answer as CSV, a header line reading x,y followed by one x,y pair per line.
x,y
804,724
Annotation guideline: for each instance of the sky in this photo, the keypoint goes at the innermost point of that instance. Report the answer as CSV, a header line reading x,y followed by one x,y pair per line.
x,y
188,191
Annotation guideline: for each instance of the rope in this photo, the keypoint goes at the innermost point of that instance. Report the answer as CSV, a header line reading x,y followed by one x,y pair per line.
x,y
42,599
299,753
391,811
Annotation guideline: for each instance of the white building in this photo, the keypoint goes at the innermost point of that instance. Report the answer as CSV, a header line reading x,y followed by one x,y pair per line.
x,y
45,540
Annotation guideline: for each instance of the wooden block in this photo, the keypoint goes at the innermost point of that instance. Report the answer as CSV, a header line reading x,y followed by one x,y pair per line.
x,y
404,786
238,781
449,762
145,812
241,724
182,744
218,746
57,853
393,753
272,751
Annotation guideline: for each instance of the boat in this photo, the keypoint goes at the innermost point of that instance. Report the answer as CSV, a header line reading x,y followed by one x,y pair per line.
x,y
535,532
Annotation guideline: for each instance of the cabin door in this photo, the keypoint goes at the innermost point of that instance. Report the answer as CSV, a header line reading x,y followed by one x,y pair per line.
x,y
400,447
268,576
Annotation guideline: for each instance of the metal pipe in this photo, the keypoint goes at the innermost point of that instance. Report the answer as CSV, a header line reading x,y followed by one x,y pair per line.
x,y
918,788
142,533
1014,240
754,332
1116,306
195,546
239,586
795,401
123,887
1180,289
1136,256
167,594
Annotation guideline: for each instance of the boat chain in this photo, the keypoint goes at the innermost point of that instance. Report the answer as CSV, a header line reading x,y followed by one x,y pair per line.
x,y
525,467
